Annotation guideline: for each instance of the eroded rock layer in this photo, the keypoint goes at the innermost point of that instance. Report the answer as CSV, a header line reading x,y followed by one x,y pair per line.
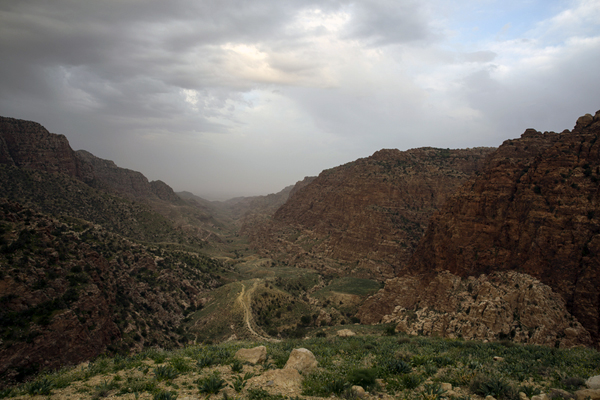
x,y
367,215
533,209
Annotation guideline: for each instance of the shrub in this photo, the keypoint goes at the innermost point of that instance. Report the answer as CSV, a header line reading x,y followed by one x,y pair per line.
x,y
572,383
180,364
529,390
237,366
41,386
398,367
164,395
432,391
365,377
411,381
165,373
210,384
493,386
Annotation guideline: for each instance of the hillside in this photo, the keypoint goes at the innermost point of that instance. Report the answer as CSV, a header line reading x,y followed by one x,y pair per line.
x,y
532,209
366,217
71,290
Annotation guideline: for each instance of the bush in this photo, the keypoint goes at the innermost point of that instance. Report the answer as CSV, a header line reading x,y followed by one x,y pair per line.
x,y
211,384
41,387
493,386
398,367
165,373
164,395
365,377
237,366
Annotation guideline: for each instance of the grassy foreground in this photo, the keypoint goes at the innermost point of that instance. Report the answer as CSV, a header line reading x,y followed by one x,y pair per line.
x,y
389,367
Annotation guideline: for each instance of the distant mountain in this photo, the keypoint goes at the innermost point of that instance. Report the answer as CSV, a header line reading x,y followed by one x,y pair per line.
x,y
41,170
365,217
534,209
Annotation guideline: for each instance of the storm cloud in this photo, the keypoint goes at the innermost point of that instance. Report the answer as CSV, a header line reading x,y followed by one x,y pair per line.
x,y
232,97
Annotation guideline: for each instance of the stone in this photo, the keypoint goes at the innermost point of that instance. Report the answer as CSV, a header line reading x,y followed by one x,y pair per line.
x,y
499,359
302,360
489,397
280,381
584,120
523,396
358,392
542,396
446,386
256,355
592,394
345,333
593,382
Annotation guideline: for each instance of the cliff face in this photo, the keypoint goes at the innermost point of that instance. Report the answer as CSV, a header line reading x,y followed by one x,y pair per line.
x,y
369,213
533,209
71,290
125,181
29,145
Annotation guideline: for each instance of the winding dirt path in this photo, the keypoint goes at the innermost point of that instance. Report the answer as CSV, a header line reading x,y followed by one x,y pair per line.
x,y
245,300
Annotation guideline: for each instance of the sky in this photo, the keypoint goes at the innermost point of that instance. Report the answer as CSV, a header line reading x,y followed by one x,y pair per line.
x,y
228,98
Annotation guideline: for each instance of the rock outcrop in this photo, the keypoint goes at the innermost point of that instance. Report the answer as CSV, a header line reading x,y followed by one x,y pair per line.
x,y
27,144
368,214
535,209
504,305
127,182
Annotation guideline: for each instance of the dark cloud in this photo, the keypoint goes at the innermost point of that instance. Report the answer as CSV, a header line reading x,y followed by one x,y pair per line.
x,y
239,86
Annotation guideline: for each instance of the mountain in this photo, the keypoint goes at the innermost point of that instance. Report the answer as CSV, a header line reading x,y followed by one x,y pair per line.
x,y
533,209
41,170
27,144
71,290
365,217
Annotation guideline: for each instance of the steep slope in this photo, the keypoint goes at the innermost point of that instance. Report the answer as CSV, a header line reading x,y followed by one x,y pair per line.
x,y
70,290
367,216
29,145
127,182
533,209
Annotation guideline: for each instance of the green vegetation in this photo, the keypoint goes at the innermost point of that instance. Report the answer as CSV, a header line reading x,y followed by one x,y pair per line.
x,y
413,368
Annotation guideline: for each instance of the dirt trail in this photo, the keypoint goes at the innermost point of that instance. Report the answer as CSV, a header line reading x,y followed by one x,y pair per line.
x,y
245,300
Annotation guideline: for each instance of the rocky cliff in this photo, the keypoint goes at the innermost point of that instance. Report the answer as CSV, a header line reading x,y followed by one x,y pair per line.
x,y
367,216
70,290
503,305
127,182
534,208
27,144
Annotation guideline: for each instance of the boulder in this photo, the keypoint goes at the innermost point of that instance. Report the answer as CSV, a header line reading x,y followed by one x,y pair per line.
x,y
256,355
358,392
302,360
345,333
281,381
593,382
592,394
